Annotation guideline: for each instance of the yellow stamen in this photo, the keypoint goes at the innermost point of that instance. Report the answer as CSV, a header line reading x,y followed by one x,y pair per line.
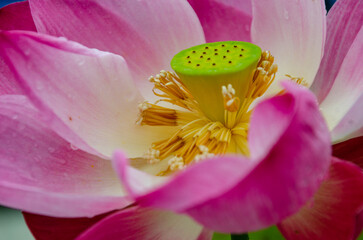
x,y
198,137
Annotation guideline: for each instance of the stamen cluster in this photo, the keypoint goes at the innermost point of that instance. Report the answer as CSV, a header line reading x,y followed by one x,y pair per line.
x,y
196,137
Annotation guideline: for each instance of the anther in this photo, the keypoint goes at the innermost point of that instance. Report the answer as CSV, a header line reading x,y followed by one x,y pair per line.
x,y
231,102
204,154
176,163
163,73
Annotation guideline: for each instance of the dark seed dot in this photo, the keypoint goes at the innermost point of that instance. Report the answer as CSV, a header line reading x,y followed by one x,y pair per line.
x,y
227,50
216,54
204,53
198,65
193,52
188,57
213,64
240,55
206,47
223,45
201,56
216,49
229,61
224,56
208,58
189,61
242,49
235,46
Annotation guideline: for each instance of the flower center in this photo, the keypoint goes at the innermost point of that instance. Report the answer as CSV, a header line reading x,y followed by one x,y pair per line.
x,y
208,99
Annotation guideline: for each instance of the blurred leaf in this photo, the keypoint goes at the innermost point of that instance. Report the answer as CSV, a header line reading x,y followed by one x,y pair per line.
x,y
360,237
221,236
271,233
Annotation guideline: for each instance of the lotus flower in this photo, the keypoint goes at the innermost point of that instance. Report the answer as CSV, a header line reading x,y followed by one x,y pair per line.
x,y
69,114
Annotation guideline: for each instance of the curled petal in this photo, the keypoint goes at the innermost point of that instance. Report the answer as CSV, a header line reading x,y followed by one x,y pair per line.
x,y
87,96
344,21
146,33
346,90
294,32
350,150
45,228
224,20
8,83
146,224
41,173
236,194
331,214
351,125
14,16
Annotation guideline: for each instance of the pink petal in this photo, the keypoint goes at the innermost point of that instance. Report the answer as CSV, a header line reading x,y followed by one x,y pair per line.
x,y
331,214
350,150
344,21
16,16
146,33
347,89
294,32
80,90
224,20
258,192
8,84
206,235
45,228
351,124
41,173
145,224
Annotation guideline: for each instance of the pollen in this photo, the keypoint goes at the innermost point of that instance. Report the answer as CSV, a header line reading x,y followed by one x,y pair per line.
x,y
199,135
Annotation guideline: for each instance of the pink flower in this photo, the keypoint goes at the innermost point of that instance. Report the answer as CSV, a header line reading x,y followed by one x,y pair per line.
x,y
56,148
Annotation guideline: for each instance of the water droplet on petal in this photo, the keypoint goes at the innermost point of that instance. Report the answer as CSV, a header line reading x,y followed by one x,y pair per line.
x,y
75,148
39,85
27,52
286,14
81,62
61,161
36,159
51,150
